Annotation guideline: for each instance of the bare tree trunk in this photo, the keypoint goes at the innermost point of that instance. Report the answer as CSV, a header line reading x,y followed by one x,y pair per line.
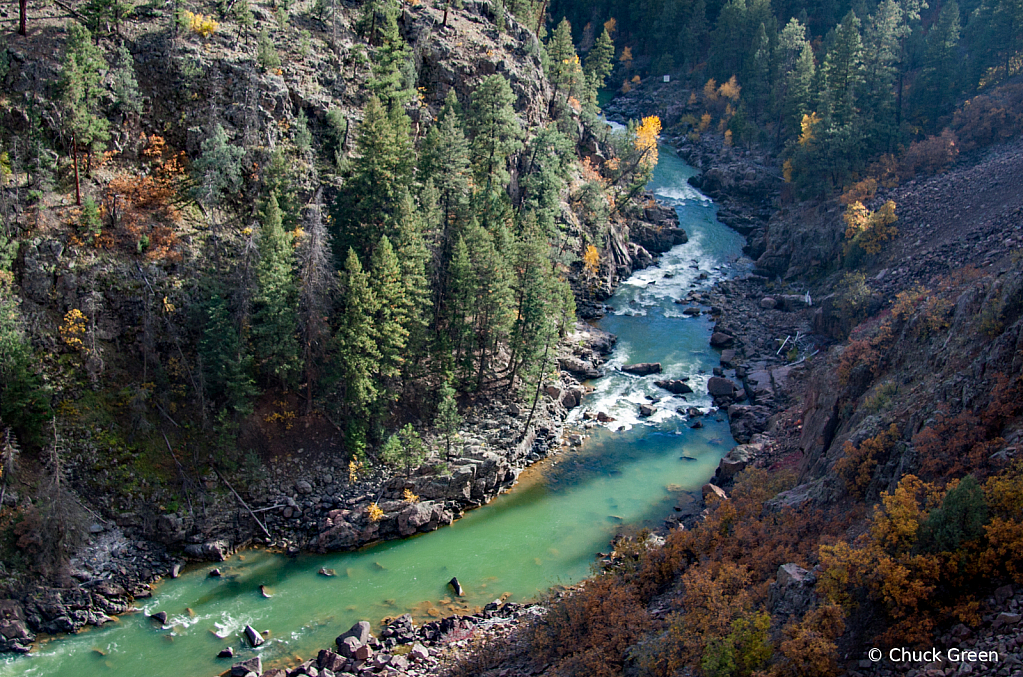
x,y
78,182
539,382
22,17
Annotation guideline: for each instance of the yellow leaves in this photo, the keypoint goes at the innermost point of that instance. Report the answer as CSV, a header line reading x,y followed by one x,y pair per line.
x,y
870,229
646,140
807,125
285,416
786,171
895,526
728,138
374,512
409,497
710,91
857,466
636,79
626,57
168,307
353,471
72,331
705,120
626,87
730,90
201,24
591,260
859,191
610,25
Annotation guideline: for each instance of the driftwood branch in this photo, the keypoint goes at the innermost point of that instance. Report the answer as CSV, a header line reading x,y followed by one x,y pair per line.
x,y
240,499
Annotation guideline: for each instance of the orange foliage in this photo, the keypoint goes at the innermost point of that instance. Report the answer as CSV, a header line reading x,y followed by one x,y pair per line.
x,y
867,350
140,206
809,646
589,631
860,191
857,466
930,155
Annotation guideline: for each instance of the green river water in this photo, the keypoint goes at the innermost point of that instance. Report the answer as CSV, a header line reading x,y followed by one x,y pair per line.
x,y
543,533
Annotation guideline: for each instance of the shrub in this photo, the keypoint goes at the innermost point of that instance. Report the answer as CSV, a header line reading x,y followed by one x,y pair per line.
x,y
200,24
930,155
856,467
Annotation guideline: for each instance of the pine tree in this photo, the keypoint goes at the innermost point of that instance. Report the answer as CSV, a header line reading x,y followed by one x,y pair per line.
x,y
599,64
843,69
493,302
882,52
447,419
404,449
393,79
357,356
315,266
413,256
458,307
127,98
940,77
794,82
496,132
563,69
445,162
391,319
274,317
225,366
218,170
81,87
383,169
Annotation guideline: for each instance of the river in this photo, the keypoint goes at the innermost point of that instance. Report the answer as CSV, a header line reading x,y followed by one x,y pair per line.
x,y
545,532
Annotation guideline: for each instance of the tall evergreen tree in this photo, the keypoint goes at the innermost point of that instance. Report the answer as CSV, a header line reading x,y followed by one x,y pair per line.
x,y
599,64
382,170
393,78
413,257
445,162
941,79
81,88
843,69
274,318
496,132
357,354
391,318
225,365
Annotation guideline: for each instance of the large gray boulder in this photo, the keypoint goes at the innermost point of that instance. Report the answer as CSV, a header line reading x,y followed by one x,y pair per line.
x,y
721,387
642,368
674,386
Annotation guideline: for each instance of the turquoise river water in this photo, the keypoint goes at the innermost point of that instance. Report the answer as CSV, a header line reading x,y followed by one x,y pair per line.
x,y
543,533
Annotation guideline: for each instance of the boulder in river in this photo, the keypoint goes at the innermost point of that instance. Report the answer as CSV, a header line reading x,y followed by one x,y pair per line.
x,y
642,368
604,418
226,653
214,573
674,386
456,586
252,635
160,617
324,571
646,410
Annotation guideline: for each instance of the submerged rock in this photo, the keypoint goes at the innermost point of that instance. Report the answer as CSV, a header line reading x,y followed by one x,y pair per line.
x,y
456,586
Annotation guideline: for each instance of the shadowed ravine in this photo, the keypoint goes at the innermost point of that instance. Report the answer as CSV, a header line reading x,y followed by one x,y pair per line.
x,y
543,533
